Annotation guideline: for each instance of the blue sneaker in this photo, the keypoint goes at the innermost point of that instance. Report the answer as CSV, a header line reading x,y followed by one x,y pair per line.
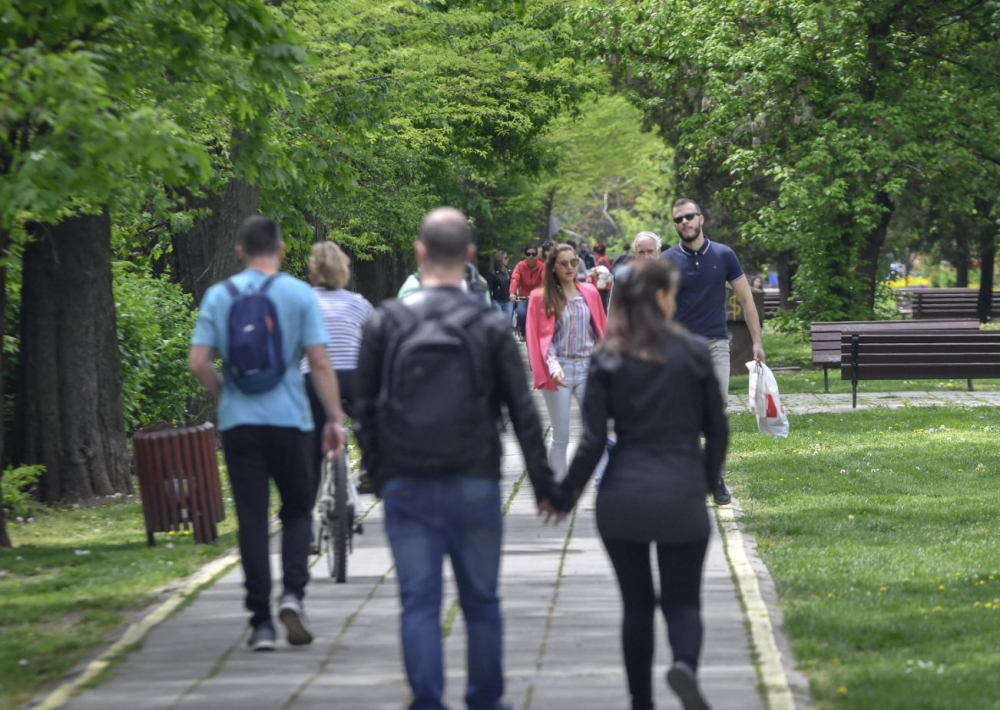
x,y
262,637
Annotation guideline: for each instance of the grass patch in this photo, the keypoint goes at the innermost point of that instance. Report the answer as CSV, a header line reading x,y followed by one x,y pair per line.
x,y
73,576
880,528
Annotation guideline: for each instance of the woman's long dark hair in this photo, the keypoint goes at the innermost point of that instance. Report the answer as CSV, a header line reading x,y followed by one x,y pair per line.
x,y
553,296
498,261
636,327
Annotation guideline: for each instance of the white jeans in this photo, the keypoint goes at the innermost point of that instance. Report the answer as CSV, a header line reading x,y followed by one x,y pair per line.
x,y
558,403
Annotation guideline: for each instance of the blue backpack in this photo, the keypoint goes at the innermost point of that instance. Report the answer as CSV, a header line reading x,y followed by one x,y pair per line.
x,y
255,360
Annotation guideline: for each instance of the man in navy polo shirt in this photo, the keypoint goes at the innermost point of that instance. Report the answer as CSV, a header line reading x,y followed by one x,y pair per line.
x,y
701,302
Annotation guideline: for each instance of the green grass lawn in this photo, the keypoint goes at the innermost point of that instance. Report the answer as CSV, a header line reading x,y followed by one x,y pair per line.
x,y
794,350
74,575
881,531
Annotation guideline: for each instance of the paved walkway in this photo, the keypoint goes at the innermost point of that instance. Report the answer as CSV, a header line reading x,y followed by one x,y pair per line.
x,y
561,606
816,403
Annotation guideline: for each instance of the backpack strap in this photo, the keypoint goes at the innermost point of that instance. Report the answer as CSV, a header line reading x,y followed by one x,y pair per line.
x,y
406,320
231,287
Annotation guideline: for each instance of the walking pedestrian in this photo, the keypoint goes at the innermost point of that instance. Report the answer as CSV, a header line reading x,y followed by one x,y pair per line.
x,y
701,300
565,321
259,322
344,315
499,282
527,276
656,381
602,278
434,370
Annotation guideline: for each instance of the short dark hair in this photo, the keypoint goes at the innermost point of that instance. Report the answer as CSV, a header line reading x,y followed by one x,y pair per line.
x,y
446,235
687,201
260,236
528,247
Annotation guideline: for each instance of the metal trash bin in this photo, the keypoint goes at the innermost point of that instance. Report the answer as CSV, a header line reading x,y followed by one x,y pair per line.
x,y
179,480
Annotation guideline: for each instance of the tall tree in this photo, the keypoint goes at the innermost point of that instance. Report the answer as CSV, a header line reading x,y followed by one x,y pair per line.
x,y
831,111
99,97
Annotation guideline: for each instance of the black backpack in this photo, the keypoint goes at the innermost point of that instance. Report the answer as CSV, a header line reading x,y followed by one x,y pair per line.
x,y
434,394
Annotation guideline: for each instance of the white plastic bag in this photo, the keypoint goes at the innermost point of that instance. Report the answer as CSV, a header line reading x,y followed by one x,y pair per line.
x,y
765,402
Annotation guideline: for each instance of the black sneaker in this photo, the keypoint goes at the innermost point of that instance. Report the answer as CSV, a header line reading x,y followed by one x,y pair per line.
x,y
721,494
293,616
681,680
262,637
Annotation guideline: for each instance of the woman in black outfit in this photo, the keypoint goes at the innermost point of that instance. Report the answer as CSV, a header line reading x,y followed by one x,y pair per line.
x,y
498,280
656,381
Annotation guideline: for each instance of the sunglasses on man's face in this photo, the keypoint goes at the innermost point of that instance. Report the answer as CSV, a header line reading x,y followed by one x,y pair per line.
x,y
531,254
685,217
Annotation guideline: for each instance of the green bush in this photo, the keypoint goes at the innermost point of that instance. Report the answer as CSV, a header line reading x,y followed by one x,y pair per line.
x,y
155,321
15,487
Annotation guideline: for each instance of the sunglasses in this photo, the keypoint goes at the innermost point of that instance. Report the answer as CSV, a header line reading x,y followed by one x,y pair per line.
x,y
572,262
531,253
686,217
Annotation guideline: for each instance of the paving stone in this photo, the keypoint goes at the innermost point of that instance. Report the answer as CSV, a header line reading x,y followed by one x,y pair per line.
x,y
562,633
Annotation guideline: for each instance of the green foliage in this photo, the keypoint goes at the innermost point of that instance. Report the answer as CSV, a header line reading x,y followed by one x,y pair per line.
x,y
155,322
15,489
813,123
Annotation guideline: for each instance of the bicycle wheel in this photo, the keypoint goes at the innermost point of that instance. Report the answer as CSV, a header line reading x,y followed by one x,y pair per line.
x,y
339,522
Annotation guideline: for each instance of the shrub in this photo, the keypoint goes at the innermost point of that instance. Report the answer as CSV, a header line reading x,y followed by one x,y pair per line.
x,y
155,321
15,489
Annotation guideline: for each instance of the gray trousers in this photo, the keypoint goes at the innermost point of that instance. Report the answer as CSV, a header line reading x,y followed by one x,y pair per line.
x,y
719,349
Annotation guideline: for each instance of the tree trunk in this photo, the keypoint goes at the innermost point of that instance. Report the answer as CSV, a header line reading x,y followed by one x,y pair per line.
x,y
872,250
69,409
4,244
786,271
987,258
962,260
207,253
544,228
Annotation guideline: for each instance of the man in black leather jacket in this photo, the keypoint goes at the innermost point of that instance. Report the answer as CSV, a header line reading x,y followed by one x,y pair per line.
x,y
430,513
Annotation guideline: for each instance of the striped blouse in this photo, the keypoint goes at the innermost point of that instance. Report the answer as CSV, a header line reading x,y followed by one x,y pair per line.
x,y
344,314
574,335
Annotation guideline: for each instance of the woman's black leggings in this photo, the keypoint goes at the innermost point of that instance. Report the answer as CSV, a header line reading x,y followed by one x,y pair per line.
x,y
680,598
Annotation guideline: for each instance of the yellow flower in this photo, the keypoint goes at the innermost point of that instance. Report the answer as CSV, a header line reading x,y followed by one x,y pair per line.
x,y
830,595
941,587
842,690
850,517
939,608
881,589
977,604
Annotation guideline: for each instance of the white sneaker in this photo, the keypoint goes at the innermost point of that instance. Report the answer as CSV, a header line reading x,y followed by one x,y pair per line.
x,y
293,616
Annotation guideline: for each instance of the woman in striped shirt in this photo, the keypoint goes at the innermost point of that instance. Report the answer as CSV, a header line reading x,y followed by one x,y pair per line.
x,y
345,314
565,320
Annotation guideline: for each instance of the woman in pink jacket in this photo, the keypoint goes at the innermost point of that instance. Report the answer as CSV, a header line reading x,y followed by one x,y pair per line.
x,y
565,321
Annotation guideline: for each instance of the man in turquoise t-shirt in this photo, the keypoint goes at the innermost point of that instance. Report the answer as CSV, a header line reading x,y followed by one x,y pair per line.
x,y
269,435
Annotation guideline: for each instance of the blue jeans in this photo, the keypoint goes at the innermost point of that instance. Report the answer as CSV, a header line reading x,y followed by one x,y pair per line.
x,y
505,307
426,520
522,316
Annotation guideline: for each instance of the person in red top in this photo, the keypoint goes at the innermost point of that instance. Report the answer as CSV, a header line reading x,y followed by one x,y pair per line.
x,y
527,276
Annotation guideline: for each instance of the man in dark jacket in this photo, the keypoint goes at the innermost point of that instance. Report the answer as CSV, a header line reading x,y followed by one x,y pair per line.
x,y
451,507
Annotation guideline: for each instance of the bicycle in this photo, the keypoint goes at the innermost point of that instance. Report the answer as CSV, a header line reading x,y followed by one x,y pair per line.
x,y
338,507
513,320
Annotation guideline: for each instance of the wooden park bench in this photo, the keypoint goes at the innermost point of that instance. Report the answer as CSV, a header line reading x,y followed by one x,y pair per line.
x,y
826,336
948,303
772,303
918,354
